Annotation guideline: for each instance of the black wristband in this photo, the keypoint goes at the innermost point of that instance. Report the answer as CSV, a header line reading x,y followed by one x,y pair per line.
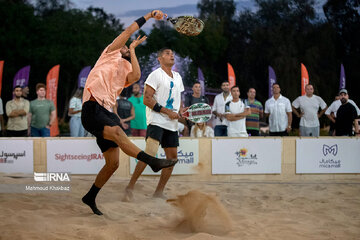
x,y
157,107
140,21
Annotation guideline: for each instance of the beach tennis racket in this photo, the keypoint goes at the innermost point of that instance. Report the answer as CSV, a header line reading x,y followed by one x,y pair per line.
x,y
198,113
187,25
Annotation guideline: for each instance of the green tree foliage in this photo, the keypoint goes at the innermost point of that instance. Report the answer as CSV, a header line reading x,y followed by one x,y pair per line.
x,y
48,34
280,33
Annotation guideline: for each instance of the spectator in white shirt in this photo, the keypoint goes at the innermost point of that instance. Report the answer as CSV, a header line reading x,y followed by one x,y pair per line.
x,y
201,130
278,109
309,114
235,113
218,109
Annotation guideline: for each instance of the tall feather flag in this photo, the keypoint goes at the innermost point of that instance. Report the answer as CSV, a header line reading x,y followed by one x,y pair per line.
x,y
231,76
342,77
272,80
83,76
201,80
22,77
304,79
1,73
52,80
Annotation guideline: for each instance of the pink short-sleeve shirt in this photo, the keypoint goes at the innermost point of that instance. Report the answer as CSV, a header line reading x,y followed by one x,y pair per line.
x,y
107,79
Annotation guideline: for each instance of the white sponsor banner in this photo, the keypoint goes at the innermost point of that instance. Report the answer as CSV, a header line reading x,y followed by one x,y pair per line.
x,y
188,155
328,155
246,156
74,156
16,156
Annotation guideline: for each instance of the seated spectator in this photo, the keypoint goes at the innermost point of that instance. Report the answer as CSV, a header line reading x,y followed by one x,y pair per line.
x,y
201,130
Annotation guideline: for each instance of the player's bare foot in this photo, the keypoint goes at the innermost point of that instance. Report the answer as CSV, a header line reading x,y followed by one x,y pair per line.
x,y
128,195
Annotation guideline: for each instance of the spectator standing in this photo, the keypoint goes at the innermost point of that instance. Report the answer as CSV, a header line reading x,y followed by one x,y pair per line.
x,y
194,98
346,116
278,109
138,124
42,114
125,111
309,115
218,110
331,112
257,112
2,124
75,108
17,110
236,113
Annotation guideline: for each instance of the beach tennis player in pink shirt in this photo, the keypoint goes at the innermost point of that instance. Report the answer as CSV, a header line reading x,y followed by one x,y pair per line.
x,y
110,75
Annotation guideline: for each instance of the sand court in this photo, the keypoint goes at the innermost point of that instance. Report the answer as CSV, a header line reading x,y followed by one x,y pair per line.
x,y
257,210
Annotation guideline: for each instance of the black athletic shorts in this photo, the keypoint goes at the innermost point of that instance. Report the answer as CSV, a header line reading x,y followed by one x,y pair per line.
x,y
94,118
166,137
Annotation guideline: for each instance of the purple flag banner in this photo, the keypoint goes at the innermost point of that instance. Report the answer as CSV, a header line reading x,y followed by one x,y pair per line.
x,y
342,77
83,76
201,79
272,80
22,77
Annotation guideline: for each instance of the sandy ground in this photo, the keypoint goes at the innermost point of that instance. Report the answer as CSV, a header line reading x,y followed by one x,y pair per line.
x,y
258,210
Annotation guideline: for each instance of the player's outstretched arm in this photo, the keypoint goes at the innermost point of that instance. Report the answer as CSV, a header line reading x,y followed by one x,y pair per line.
x,y
135,74
120,41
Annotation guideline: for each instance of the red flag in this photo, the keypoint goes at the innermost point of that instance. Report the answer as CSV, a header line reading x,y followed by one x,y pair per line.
x,y
304,79
231,76
51,94
1,73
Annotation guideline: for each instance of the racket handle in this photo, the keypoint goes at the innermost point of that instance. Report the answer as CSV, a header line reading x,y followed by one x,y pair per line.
x,y
185,114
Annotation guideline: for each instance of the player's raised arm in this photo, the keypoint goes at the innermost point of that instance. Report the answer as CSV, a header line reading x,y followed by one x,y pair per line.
x,y
120,41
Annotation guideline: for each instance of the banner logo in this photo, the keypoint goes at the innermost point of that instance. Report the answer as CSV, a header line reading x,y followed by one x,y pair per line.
x,y
330,150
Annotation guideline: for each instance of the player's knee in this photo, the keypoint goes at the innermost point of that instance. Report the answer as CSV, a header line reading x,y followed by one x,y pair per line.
x,y
152,146
113,165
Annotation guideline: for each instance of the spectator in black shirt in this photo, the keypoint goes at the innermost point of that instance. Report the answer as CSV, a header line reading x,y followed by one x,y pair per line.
x,y
346,116
126,112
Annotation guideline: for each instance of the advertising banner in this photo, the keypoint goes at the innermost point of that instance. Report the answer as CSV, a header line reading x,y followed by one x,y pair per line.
x,y
246,156
16,156
188,155
328,155
74,156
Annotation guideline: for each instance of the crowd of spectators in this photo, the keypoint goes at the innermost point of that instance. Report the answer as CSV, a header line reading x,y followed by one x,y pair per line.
x,y
233,116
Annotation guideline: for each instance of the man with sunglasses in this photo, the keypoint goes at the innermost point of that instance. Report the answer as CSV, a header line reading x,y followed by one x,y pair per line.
x,y
162,97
